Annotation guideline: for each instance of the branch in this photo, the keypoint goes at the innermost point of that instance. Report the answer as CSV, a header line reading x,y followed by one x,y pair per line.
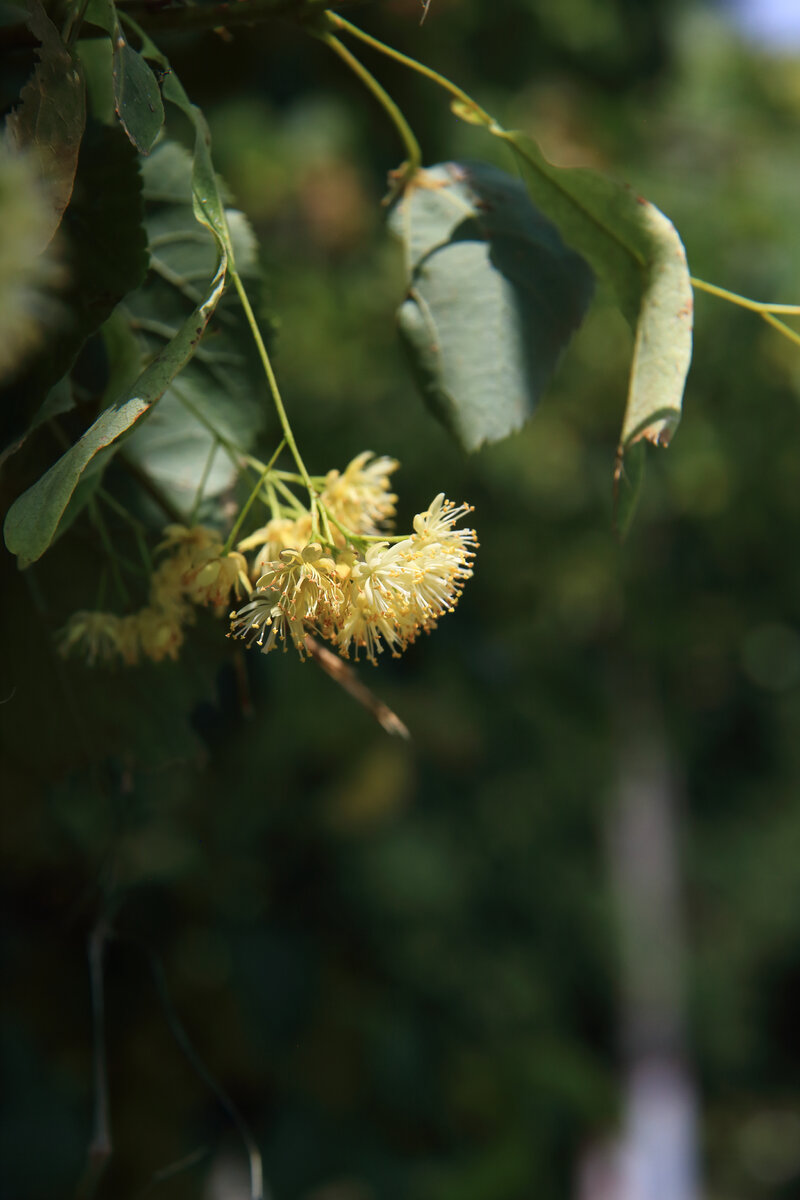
x,y
100,1147
346,677
153,16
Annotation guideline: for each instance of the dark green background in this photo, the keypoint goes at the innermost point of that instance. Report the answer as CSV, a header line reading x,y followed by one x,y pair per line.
x,y
402,960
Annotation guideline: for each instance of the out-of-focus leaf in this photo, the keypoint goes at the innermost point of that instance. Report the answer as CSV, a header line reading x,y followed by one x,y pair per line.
x,y
494,296
28,275
104,254
33,518
50,119
636,249
137,99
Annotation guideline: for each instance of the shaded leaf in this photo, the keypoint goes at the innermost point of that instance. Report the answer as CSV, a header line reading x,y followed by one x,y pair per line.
x,y
207,197
137,99
49,121
103,245
223,385
494,296
33,518
636,249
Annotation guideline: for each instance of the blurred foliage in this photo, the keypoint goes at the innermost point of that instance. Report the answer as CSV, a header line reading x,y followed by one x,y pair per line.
x,y
401,960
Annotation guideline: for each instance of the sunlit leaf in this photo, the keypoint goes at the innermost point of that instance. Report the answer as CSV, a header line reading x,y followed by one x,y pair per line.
x,y
493,297
635,248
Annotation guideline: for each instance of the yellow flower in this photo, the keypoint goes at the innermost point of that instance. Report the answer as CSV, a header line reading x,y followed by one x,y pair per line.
x,y
435,525
359,497
160,633
263,618
399,591
167,587
383,597
213,581
301,581
192,545
282,533
100,635
128,640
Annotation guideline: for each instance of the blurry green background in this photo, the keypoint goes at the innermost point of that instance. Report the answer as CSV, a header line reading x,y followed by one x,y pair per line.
x,y
404,961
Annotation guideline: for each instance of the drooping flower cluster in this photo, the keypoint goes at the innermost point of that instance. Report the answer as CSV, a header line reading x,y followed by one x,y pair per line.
x,y
196,570
334,574
360,592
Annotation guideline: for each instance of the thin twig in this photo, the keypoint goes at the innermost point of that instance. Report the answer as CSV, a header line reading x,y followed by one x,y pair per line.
x,y
346,678
173,1169
100,1147
182,1038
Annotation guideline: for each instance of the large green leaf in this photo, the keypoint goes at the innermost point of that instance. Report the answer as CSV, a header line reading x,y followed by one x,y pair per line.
x,y
494,296
636,249
223,385
33,519
49,121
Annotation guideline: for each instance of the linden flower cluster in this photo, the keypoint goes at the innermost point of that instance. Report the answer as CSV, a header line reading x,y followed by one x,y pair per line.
x,y
195,571
333,573
360,590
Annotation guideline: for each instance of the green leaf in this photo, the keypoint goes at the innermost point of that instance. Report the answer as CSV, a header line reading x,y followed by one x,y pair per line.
x,y
494,296
223,385
207,199
49,121
636,249
33,519
137,99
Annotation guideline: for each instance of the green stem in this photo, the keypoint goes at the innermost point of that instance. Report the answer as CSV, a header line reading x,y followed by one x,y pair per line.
x,y
339,22
361,538
138,532
152,489
744,301
234,533
201,487
74,23
272,500
781,327
275,392
118,508
414,161
100,526
289,496
144,550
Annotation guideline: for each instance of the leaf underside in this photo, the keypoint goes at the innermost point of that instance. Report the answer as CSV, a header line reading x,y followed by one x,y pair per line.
x,y
494,296
637,251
